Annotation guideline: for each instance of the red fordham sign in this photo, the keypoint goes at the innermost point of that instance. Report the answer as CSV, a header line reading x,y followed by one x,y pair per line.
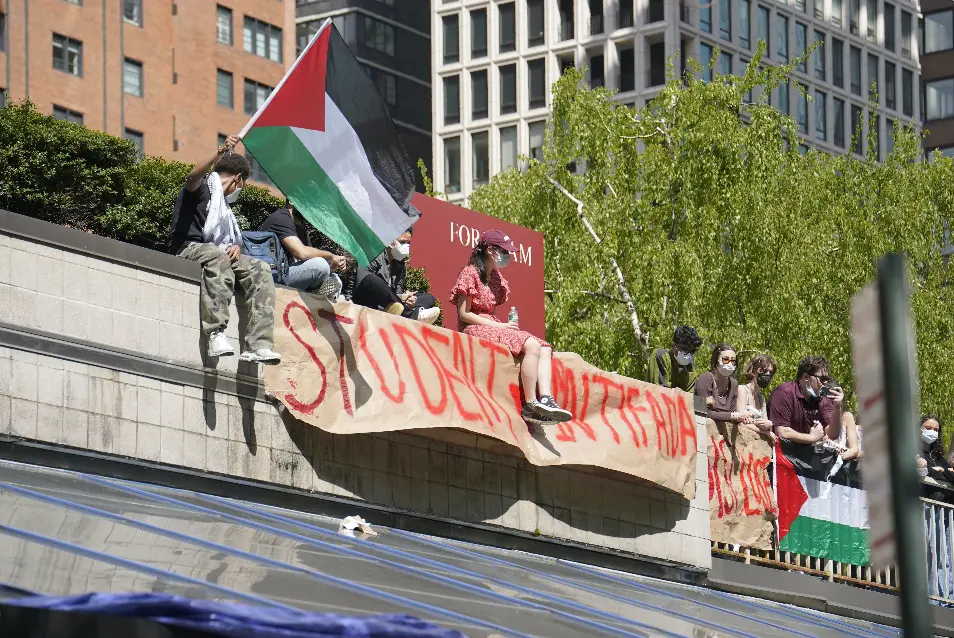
x,y
444,238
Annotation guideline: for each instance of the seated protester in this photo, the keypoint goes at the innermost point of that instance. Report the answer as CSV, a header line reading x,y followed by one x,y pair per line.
x,y
205,230
809,408
673,368
719,387
758,373
480,288
309,269
381,285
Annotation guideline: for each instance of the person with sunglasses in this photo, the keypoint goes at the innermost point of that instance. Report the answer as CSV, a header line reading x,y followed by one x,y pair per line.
x,y
809,408
719,387
480,288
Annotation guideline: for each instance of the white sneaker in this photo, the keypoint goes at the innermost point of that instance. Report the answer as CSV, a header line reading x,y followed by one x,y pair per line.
x,y
265,356
428,315
219,345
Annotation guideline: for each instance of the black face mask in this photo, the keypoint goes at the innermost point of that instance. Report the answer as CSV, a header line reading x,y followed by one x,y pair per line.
x,y
763,380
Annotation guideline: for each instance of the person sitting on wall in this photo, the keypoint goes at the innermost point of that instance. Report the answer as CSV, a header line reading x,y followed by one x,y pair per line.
x,y
758,374
479,289
381,285
205,230
673,368
719,387
309,269
809,408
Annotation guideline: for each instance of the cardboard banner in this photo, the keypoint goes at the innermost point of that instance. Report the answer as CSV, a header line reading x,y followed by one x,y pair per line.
x,y
741,500
348,369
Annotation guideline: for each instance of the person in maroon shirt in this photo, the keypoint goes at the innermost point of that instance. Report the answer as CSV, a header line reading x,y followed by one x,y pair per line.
x,y
809,408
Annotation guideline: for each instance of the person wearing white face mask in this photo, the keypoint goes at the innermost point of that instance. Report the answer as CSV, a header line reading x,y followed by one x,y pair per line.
x,y
934,465
809,408
381,285
204,230
673,368
720,388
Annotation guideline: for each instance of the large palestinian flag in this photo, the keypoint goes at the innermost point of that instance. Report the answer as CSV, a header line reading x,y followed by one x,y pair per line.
x,y
818,515
326,140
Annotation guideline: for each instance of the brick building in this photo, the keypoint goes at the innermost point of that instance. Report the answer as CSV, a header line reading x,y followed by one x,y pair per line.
x,y
173,76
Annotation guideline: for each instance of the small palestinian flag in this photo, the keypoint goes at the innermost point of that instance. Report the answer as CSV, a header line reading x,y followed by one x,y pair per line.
x,y
820,515
326,140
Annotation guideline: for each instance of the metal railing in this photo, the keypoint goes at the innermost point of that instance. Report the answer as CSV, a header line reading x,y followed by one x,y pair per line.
x,y
939,540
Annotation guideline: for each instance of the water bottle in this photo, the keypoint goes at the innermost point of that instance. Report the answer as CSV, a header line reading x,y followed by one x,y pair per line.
x,y
512,317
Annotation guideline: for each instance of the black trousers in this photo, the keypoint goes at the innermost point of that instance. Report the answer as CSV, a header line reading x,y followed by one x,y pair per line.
x,y
374,292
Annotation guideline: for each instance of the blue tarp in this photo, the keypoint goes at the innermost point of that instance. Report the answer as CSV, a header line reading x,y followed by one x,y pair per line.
x,y
233,619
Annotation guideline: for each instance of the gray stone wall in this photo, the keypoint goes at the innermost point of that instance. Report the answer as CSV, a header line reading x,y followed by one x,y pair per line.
x,y
210,425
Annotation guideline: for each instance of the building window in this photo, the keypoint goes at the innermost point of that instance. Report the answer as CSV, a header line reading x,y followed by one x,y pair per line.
x,y
255,96
907,92
854,63
800,5
535,22
3,97
801,43
657,13
627,69
508,28
705,17
818,56
890,85
889,135
452,99
596,72
801,108
3,32
78,3
508,89
838,63
837,12
537,72
906,34
65,114
478,84
132,77
872,76
223,25
939,31
537,133
871,31
265,40
224,89
137,139
452,165
132,12
478,33
821,116
764,29
784,104
705,58
256,172
838,114
451,39
745,24
385,83
596,17
67,55
508,147
657,64
725,19
782,34
857,131
725,64
481,146
889,26
939,99
854,16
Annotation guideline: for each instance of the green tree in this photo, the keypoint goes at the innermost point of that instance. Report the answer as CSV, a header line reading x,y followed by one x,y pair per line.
x,y
710,212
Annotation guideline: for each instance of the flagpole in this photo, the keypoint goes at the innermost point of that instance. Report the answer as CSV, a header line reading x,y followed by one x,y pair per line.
x,y
291,69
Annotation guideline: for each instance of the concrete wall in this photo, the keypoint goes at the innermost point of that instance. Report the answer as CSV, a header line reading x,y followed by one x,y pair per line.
x,y
104,355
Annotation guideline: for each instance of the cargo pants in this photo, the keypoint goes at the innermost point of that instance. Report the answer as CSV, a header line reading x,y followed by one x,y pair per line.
x,y
219,276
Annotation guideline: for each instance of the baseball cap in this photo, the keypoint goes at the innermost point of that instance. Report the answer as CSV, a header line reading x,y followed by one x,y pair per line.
x,y
497,238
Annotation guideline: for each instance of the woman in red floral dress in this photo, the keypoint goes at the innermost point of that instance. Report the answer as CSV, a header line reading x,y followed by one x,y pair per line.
x,y
479,289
